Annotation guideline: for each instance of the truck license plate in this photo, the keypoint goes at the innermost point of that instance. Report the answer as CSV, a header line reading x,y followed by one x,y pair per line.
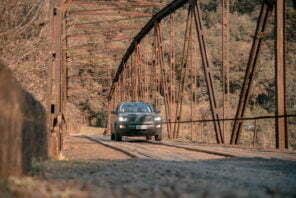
x,y
141,127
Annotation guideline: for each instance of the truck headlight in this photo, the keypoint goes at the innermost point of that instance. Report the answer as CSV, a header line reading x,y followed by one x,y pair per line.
x,y
122,119
158,118
121,126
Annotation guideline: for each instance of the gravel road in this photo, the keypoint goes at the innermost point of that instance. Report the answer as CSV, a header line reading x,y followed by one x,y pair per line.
x,y
140,148
95,167
98,167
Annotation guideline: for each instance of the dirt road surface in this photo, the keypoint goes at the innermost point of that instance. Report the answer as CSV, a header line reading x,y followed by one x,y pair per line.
x,y
95,166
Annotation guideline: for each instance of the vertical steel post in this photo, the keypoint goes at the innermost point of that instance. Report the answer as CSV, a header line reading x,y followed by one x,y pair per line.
x,y
225,62
281,123
255,134
50,68
56,95
64,66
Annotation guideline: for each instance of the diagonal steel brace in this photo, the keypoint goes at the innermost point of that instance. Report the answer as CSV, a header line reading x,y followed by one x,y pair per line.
x,y
207,72
266,11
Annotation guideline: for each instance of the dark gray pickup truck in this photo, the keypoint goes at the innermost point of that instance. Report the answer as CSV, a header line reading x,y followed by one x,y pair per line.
x,y
136,119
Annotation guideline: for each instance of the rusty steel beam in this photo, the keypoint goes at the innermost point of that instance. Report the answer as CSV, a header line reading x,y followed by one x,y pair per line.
x,y
106,9
57,58
92,33
65,44
51,65
164,12
99,35
281,123
186,52
84,78
103,55
75,87
99,32
98,53
266,11
119,3
88,45
163,80
56,95
113,21
103,61
89,65
105,28
207,73
94,93
95,67
98,9
95,48
110,13
225,59
76,90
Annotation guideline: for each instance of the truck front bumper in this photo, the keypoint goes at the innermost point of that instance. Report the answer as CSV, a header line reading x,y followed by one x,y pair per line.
x,y
139,130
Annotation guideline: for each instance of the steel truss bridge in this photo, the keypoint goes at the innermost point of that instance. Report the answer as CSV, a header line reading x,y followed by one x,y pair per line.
x,y
164,61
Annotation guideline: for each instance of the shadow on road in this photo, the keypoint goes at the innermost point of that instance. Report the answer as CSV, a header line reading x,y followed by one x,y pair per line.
x,y
234,177
154,143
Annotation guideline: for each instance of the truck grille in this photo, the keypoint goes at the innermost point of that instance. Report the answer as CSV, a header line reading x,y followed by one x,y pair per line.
x,y
140,119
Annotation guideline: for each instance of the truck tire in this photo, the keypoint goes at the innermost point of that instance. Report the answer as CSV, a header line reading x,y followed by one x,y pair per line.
x,y
158,137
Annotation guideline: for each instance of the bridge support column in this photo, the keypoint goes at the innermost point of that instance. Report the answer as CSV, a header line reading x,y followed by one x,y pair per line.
x,y
56,75
281,122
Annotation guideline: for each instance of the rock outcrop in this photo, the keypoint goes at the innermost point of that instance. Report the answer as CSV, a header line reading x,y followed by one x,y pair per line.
x,y
23,134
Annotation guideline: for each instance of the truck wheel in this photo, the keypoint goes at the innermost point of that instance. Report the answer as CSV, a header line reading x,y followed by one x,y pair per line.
x,y
112,136
148,137
158,137
118,137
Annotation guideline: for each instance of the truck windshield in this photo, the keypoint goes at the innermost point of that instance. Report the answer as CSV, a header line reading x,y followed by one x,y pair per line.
x,y
135,108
